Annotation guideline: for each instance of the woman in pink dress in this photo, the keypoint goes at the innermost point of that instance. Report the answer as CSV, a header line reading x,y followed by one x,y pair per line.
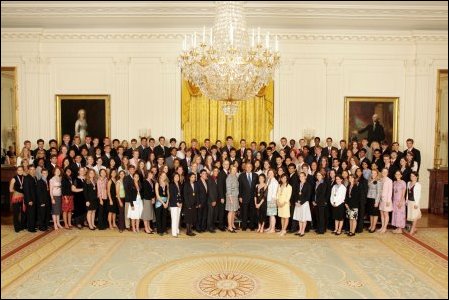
x,y
385,205
399,187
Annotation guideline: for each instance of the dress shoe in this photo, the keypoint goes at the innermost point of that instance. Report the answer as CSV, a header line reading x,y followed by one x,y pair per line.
x,y
32,230
222,229
212,231
191,234
243,229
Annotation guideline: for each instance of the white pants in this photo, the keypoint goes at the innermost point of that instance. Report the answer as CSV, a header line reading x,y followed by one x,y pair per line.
x,y
175,213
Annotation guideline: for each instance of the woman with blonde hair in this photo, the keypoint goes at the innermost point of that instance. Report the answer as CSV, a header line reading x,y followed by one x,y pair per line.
x,y
24,154
386,200
232,194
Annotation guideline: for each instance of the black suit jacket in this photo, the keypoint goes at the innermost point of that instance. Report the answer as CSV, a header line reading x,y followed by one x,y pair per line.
x,y
342,156
202,193
376,134
246,191
144,152
130,190
321,194
29,189
306,193
212,190
159,151
222,184
190,200
326,152
294,182
43,195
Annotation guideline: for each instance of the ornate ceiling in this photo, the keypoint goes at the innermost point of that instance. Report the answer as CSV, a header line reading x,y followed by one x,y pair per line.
x,y
288,15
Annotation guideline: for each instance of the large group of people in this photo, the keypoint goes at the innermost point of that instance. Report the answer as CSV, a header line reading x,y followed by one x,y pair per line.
x,y
294,187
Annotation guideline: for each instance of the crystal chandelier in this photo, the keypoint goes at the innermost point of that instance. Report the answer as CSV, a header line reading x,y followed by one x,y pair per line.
x,y
229,64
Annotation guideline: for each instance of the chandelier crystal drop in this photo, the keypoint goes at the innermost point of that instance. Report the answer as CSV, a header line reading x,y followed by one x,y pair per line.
x,y
227,62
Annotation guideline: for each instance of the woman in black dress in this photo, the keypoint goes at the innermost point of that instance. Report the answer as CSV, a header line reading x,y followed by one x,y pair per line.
x,y
79,212
112,197
260,201
90,195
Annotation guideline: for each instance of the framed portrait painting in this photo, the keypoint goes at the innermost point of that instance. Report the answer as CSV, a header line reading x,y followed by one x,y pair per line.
x,y
375,118
83,115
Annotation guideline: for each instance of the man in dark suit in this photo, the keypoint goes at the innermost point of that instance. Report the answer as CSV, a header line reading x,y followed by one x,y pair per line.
x,y
271,157
285,146
40,146
76,144
229,145
342,153
375,130
51,166
327,151
263,150
316,142
161,149
395,147
30,197
88,145
144,151
362,157
130,150
221,212
76,165
416,153
247,185
130,193
212,199
293,180
242,151
107,156
43,201
201,221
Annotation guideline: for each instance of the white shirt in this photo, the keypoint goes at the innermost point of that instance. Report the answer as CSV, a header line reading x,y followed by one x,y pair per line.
x,y
272,189
338,195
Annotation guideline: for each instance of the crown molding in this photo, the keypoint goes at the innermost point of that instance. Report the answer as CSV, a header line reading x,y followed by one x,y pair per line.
x,y
43,36
410,15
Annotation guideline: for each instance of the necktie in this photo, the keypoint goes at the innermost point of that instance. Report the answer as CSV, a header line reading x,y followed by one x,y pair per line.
x,y
249,178
374,127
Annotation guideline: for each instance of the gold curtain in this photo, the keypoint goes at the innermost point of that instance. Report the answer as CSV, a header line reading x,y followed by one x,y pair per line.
x,y
203,118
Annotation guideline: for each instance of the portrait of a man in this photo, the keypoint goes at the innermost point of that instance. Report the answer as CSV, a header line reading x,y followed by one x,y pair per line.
x,y
374,118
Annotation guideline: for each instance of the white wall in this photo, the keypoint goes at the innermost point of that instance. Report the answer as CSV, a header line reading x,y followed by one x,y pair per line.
x,y
140,73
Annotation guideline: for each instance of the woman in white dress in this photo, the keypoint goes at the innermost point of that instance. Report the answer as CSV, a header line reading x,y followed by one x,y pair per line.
x,y
135,213
413,201
273,185
302,207
81,125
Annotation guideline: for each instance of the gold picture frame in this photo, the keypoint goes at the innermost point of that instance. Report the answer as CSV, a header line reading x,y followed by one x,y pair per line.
x,y
358,112
97,109
438,158
12,71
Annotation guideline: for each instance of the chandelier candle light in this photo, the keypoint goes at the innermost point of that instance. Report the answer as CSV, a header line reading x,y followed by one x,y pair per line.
x,y
229,68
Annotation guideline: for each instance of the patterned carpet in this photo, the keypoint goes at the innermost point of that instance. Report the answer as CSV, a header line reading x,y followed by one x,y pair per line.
x,y
85,264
